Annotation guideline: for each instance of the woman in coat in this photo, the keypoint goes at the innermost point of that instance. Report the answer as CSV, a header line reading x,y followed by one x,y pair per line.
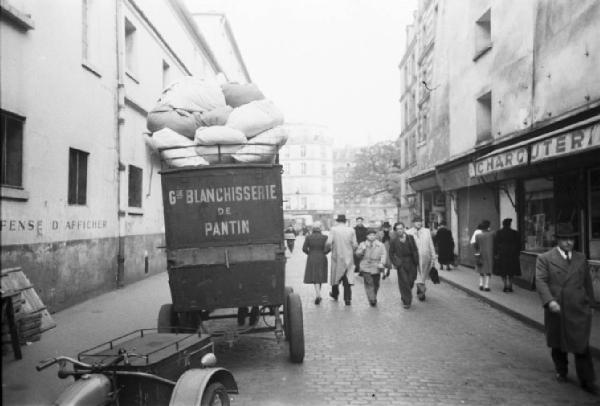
x,y
507,248
484,255
445,246
316,262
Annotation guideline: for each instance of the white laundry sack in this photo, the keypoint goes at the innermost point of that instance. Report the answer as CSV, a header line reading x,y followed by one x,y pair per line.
x,y
216,116
255,117
218,154
180,121
264,147
237,94
219,134
193,94
184,155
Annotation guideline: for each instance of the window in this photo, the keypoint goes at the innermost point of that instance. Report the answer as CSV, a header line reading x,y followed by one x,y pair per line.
x,y
483,117
323,169
135,186
12,149
594,210
303,203
77,176
323,186
166,74
323,152
303,168
130,47
90,36
286,168
302,151
483,34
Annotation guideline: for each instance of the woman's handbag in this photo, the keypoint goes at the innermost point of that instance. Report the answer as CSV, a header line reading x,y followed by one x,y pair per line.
x,y
434,276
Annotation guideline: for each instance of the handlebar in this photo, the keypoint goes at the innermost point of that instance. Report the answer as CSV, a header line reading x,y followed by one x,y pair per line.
x,y
49,362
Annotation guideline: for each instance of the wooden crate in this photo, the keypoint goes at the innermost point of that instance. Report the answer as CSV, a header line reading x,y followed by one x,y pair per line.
x,y
14,279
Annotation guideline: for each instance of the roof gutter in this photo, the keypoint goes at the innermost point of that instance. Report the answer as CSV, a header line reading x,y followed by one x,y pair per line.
x,y
232,40
185,16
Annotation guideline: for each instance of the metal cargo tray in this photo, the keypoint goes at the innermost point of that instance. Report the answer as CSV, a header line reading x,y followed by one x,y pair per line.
x,y
146,349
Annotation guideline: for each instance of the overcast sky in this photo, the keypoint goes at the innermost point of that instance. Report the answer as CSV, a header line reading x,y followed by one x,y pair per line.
x,y
329,62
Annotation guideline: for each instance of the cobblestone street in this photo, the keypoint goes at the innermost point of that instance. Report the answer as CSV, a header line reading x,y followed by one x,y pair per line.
x,y
450,350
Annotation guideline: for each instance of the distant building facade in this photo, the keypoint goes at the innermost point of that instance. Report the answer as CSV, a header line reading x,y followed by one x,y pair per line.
x,y
307,173
80,190
514,121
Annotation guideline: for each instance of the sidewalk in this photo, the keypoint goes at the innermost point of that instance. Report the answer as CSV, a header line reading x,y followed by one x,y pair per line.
x,y
522,304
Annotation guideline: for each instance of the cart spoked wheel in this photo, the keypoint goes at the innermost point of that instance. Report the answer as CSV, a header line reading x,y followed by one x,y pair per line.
x,y
296,328
286,322
215,395
167,318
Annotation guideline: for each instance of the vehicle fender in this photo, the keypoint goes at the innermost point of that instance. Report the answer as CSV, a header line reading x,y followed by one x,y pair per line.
x,y
192,383
90,390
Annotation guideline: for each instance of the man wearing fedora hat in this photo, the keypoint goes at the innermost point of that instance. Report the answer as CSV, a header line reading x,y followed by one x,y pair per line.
x,y
565,287
342,241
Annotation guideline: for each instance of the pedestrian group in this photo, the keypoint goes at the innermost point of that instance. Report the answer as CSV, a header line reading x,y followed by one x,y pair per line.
x,y
562,277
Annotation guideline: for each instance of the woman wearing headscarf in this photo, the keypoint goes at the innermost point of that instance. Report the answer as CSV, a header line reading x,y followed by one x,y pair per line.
x,y
316,262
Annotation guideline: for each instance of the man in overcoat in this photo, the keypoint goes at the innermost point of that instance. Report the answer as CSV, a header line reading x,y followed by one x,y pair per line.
x,y
427,254
507,248
342,241
564,284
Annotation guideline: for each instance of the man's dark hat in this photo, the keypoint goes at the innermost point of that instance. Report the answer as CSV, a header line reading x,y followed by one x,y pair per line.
x,y
565,230
506,222
371,230
341,218
417,218
386,224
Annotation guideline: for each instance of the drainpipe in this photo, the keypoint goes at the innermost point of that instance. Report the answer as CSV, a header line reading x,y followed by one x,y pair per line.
x,y
120,120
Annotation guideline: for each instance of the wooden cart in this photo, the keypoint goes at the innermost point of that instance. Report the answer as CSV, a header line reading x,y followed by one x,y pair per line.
x,y
224,242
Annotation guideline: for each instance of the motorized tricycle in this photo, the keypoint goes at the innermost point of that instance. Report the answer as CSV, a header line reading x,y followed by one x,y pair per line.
x,y
145,368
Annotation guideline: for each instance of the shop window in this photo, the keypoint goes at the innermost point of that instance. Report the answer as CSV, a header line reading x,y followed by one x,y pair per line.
x,y
594,209
135,186
539,214
77,176
12,149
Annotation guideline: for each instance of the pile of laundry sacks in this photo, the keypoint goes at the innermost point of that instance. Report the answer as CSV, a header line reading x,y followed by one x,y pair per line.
x,y
197,122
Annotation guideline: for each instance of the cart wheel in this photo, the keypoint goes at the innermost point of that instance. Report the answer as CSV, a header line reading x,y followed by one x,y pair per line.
x,y
286,322
296,328
166,318
215,394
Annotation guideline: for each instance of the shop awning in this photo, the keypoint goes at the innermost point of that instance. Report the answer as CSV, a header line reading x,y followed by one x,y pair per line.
x,y
423,181
577,138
